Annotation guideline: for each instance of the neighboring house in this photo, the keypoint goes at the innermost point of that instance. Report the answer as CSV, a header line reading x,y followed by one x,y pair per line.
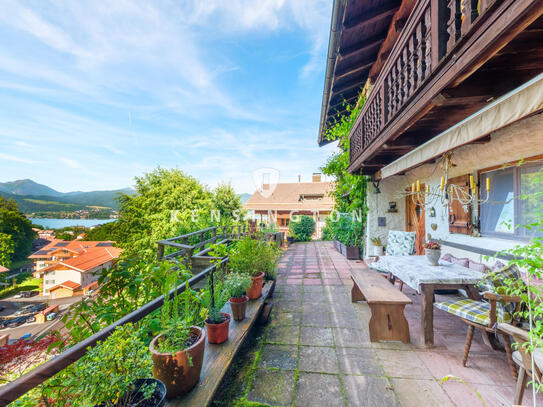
x,y
69,267
44,234
462,93
293,199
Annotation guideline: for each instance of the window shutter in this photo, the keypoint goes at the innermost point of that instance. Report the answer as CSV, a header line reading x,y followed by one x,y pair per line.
x,y
460,219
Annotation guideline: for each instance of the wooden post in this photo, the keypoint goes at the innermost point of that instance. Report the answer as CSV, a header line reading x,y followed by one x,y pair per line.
x,y
427,315
160,251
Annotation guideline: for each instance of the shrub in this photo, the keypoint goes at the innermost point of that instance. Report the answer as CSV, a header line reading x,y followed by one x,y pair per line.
x,y
347,230
244,256
303,229
269,254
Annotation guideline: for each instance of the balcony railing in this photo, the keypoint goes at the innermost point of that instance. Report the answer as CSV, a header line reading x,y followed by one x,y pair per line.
x,y
12,391
425,54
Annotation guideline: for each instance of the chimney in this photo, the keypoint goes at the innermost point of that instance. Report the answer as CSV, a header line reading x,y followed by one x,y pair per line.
x,y
299,178
316,177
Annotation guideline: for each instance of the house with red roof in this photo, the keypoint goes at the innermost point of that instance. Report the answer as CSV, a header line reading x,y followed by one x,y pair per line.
x,y
69,267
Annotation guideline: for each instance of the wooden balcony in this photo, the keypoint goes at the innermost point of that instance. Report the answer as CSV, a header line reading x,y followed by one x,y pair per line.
x,y
451,59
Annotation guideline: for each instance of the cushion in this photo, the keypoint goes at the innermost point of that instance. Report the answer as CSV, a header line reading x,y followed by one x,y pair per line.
x,y
474,311
473,265
447,257
464,262
401,243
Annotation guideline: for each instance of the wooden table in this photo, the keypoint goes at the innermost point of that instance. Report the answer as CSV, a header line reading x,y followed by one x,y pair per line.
x,y
420,276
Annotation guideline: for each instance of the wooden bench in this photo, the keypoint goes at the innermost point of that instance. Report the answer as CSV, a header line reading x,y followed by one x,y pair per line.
x,y
388,322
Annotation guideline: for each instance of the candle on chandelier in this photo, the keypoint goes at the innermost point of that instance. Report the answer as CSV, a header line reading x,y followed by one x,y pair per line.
x,y
442,183
427,188
418,186
412,187
471,183
487,184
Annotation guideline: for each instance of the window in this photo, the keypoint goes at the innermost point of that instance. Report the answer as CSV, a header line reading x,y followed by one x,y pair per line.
x,y
49,281
513,201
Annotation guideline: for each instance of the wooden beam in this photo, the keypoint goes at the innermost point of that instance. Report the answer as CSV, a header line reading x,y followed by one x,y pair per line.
x,y
363,66
362,46
344,102
354,84
387,9
400,24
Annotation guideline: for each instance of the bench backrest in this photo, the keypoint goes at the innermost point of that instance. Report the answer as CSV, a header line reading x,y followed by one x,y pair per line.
x,y
377,289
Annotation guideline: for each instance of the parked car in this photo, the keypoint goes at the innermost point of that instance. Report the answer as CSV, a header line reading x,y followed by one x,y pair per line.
x,y
2,323
15,322
51,316
31,318
28,294
38,307
2,308
25,310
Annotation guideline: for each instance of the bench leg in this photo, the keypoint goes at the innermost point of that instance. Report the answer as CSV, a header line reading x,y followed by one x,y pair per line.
x,y
388,323
356,294
521,385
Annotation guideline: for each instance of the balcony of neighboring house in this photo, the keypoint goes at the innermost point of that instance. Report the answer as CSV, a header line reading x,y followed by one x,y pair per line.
x,y
425,66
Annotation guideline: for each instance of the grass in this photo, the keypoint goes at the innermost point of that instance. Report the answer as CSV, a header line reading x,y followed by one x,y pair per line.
x,y
41,201
23,282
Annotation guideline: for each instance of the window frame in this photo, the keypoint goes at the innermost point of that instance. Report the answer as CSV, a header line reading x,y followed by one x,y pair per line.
x,y
515,166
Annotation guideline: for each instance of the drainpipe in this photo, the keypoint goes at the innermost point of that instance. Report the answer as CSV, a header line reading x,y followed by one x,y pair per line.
x,y
333,46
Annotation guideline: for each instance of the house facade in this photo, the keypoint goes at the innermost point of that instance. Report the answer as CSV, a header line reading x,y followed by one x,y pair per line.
x,y
288,200
451,130
68,267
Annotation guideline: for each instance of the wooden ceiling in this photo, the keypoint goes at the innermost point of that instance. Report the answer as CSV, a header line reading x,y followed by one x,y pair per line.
x,y
367,31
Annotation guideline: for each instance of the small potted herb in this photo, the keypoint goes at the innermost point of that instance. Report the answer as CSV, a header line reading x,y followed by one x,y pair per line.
x,y
237,285
178,351
377,246
114,373
217,324
245,258
433,252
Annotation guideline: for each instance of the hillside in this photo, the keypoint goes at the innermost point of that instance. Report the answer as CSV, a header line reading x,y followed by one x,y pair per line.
x,y
37,198
244,197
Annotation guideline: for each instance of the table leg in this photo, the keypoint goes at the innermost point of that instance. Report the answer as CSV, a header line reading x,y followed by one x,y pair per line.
x,y
427,314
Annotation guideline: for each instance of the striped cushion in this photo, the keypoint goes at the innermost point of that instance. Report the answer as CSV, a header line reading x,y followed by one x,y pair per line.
x,y
472,310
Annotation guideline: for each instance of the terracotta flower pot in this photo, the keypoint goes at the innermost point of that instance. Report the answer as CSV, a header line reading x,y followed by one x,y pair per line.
x,y
176,371
238,305
256,287
218,333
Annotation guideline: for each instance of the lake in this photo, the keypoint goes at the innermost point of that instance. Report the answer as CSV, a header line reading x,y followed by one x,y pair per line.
x,y
62,223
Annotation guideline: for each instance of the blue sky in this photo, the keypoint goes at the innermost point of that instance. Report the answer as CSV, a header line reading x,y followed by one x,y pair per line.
x,y
95,93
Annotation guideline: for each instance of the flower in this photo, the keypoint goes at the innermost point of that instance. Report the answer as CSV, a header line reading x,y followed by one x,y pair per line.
x,y
432,245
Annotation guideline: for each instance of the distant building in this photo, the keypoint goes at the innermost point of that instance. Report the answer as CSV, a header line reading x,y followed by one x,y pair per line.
x,y
296,198
68,267
45,234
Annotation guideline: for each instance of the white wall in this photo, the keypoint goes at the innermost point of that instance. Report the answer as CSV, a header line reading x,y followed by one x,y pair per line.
x,y
519,140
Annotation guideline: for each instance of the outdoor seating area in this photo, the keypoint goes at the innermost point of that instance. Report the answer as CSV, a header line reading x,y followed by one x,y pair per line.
x,y
317,349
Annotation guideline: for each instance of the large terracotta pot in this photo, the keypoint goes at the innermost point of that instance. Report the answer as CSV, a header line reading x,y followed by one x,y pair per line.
x,y
218,333
175,371
256,287
238,305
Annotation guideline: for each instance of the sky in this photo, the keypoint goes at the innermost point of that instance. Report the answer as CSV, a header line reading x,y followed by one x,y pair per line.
x,y
93,94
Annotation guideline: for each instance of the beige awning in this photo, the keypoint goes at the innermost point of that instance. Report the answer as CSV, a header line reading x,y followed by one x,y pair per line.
x,y
515,105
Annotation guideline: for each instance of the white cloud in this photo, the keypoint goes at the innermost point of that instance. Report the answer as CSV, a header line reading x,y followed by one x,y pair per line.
x,y
70,163
16,159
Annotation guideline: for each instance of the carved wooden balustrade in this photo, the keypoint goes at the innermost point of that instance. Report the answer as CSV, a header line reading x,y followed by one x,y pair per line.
x,y
433,31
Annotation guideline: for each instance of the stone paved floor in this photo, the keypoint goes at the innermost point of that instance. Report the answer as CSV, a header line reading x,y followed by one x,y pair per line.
x,y
316,350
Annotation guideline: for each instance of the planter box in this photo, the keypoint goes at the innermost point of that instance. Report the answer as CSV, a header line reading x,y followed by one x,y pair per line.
x,y
351,252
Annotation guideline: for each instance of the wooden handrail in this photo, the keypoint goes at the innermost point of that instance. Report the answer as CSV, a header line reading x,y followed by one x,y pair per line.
x,y
35,377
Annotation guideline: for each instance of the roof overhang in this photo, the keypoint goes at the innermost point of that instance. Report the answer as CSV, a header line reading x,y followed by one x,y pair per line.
x,y
517,104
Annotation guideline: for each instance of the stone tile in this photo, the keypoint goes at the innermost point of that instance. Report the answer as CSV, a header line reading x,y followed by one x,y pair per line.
x,y
285,318
313,296
346,306
405,364
316,319
314,389
316,336
348,337
313,289
310,307
286,334
332,281
294,281
279,357
286,306
312,281
272,387
444,364
368,391
318,359
417,393
359,361
345,320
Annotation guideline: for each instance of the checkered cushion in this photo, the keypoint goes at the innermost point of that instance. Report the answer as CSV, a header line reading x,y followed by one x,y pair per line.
x,y
474,311
400,243
495,279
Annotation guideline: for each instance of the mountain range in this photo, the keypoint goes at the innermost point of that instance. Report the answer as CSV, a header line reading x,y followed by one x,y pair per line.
x,y
33,197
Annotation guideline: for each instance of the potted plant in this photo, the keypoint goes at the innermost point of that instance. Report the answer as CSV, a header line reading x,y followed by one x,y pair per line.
x,y
433,252
244,258
178,351
113,373
217,322
237,285
377,246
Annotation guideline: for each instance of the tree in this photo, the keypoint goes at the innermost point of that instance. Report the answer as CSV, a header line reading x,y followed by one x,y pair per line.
x,y
167,203
7,247
107,231
17,226
227,202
